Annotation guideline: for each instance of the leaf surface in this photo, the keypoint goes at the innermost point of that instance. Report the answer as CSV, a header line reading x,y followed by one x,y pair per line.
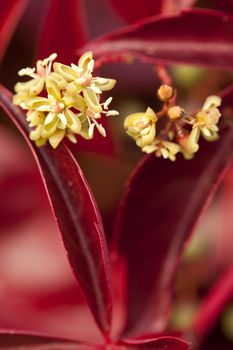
x,y
158,343
28,341
173,40
77,216
132,11
63,30
10,14
161,207
213,304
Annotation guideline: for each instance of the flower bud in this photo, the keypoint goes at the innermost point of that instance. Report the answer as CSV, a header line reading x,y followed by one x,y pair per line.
x,y
165,92
175,112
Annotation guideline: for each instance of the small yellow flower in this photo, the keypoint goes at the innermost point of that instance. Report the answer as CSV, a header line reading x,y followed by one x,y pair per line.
x,y
64,102
80,78
34,86
141,126
166,149
173,125
58,119
205,123
208,118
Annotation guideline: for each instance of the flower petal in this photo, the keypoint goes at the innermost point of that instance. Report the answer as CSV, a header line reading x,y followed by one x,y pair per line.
x,y
66,72
92,100
56,138
212,101
84,62
39,103
192,144
53,88
105,84
73,121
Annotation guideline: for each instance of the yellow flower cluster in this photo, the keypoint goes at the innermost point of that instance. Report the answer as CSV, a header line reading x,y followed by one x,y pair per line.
x,y
63,101
180,132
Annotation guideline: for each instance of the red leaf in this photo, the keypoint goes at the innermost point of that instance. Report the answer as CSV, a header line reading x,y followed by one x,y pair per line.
x,y
162,205
77,216
227,96
29,341
174,39
132,11
10,14
63,30
213,304
159,343
226,5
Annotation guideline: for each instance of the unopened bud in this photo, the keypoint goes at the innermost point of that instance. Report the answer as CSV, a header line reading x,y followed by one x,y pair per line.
x,y
165,92
175,112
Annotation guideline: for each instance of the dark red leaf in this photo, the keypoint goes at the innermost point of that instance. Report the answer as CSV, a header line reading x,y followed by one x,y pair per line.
x,y
15,340
100,145
159,343
227,96
226,5
77,216
198,37
132,11
63,30
10,14
213,304
161,207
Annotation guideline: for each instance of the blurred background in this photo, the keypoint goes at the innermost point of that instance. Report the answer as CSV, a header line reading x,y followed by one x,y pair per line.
x,y
37,288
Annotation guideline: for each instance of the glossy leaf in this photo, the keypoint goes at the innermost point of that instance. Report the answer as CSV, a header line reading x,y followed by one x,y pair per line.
x,y
10,14
63,30
173,39
132,11
162,205
165,342
21,341
213,304
77,216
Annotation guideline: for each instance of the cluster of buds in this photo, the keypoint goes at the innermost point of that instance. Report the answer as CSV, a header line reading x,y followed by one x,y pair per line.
x,y
177,131
63,101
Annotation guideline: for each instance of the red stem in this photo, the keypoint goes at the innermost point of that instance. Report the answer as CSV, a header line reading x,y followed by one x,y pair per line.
x,y
164,75
213,304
